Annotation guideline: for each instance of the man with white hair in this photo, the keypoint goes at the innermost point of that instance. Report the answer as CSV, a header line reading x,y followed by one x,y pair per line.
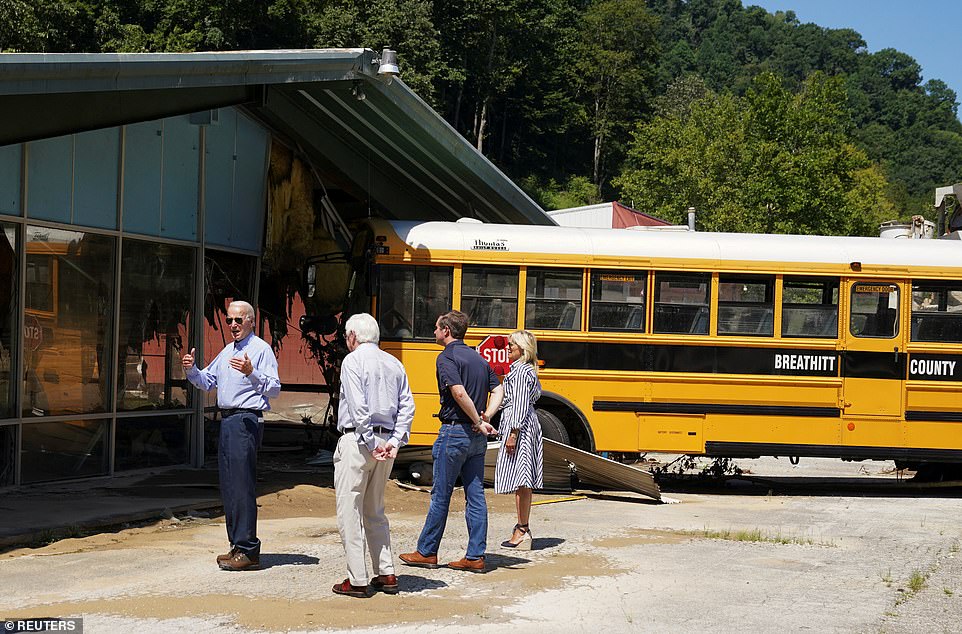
x,y
374,415
245,375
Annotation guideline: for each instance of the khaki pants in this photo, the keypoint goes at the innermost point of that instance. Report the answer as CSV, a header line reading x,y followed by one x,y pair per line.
x,y
359,482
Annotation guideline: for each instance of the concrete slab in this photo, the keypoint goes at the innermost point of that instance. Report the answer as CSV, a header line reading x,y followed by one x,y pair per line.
x,y
40,513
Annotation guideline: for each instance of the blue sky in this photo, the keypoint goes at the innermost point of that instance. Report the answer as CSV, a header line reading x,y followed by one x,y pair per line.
x,y
928,30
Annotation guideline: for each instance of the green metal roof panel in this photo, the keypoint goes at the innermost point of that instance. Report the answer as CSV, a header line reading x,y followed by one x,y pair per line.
x,y
390,144
31,73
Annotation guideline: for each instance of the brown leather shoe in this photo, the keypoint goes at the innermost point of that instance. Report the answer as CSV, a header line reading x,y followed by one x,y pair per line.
x,y
385,583
228,555
469,565
241,561
418,560
345,588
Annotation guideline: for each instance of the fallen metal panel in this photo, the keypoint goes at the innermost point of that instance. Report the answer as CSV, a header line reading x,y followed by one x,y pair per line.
x,y
566,468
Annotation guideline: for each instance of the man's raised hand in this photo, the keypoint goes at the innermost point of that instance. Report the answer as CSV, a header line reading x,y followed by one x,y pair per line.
x,y
188,359
244,366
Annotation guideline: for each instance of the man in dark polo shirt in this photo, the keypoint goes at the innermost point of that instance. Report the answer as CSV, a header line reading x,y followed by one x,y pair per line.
x,y
464,382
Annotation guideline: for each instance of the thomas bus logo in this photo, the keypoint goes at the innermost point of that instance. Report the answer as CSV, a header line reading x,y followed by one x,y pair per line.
x,y
494,350
490,245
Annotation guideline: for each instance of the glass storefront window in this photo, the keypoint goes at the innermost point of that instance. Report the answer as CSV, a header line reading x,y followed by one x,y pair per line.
x,y
227,276
9,265
64,450
8,455
152,441
67,324
157,286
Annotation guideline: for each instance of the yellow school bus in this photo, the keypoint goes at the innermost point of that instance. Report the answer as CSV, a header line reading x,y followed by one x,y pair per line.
x,y
715,344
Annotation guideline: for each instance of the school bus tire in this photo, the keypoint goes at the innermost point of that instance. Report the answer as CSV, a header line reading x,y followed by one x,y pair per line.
x,y
552,427
574,422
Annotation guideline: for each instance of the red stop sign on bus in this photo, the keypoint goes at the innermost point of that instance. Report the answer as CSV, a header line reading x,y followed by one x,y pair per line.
x,y
32,332
494,350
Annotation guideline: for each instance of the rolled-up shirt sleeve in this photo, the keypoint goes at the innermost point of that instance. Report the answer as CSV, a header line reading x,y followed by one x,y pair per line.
x,y
264,377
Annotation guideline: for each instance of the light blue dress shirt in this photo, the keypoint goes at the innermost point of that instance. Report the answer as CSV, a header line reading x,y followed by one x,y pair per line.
x,y
234,390
374,393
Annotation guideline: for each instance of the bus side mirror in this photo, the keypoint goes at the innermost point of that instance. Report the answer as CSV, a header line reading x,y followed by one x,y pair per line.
x,y
322,325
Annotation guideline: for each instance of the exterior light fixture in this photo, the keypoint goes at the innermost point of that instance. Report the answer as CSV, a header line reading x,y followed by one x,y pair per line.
x,y
388,63
358,91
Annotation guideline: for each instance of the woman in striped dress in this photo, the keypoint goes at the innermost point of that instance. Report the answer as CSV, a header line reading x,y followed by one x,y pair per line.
x,y
520,463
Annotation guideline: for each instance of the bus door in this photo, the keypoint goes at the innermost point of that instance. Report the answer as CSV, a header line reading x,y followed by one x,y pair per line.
x,y
873,355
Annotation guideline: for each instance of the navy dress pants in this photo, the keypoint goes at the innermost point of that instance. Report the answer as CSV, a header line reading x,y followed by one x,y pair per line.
x,y
240,436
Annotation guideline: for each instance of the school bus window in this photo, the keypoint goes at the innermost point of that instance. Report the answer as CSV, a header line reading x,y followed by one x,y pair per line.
x,y
810,307
681,303
39,296
875,310
746,305
489,296
411,299
553,299
937,311
617,301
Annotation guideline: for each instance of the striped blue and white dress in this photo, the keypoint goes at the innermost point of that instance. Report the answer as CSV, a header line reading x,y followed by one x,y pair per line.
x,y
526,467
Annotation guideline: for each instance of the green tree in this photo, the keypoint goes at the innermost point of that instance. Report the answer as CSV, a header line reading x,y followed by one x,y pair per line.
x,y
577,192
773,161
616,70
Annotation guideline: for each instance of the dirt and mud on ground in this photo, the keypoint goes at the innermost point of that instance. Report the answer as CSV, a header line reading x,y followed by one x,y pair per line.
x,y
824,545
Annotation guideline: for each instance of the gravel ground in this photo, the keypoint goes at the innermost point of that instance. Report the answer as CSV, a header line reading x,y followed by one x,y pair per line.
x,y
821,546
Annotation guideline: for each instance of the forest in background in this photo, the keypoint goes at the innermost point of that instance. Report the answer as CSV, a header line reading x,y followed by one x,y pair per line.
x,y
759,121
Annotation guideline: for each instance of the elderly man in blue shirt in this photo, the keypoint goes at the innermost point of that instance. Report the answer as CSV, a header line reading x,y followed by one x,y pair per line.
x,y
374,416
245,375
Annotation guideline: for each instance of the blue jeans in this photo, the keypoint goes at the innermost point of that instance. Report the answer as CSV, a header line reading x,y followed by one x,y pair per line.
x,y
457,451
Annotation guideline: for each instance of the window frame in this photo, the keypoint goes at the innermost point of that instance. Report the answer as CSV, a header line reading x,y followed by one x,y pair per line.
x,y
897,325
828,283
704,309
943,288
641,277
578,303
769,303
516,270
381,268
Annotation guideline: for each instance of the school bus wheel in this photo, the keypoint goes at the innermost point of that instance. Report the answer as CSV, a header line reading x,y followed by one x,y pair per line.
x,y
552,427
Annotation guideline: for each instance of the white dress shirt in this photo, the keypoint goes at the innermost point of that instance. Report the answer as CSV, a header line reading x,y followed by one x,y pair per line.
x,y
374,393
